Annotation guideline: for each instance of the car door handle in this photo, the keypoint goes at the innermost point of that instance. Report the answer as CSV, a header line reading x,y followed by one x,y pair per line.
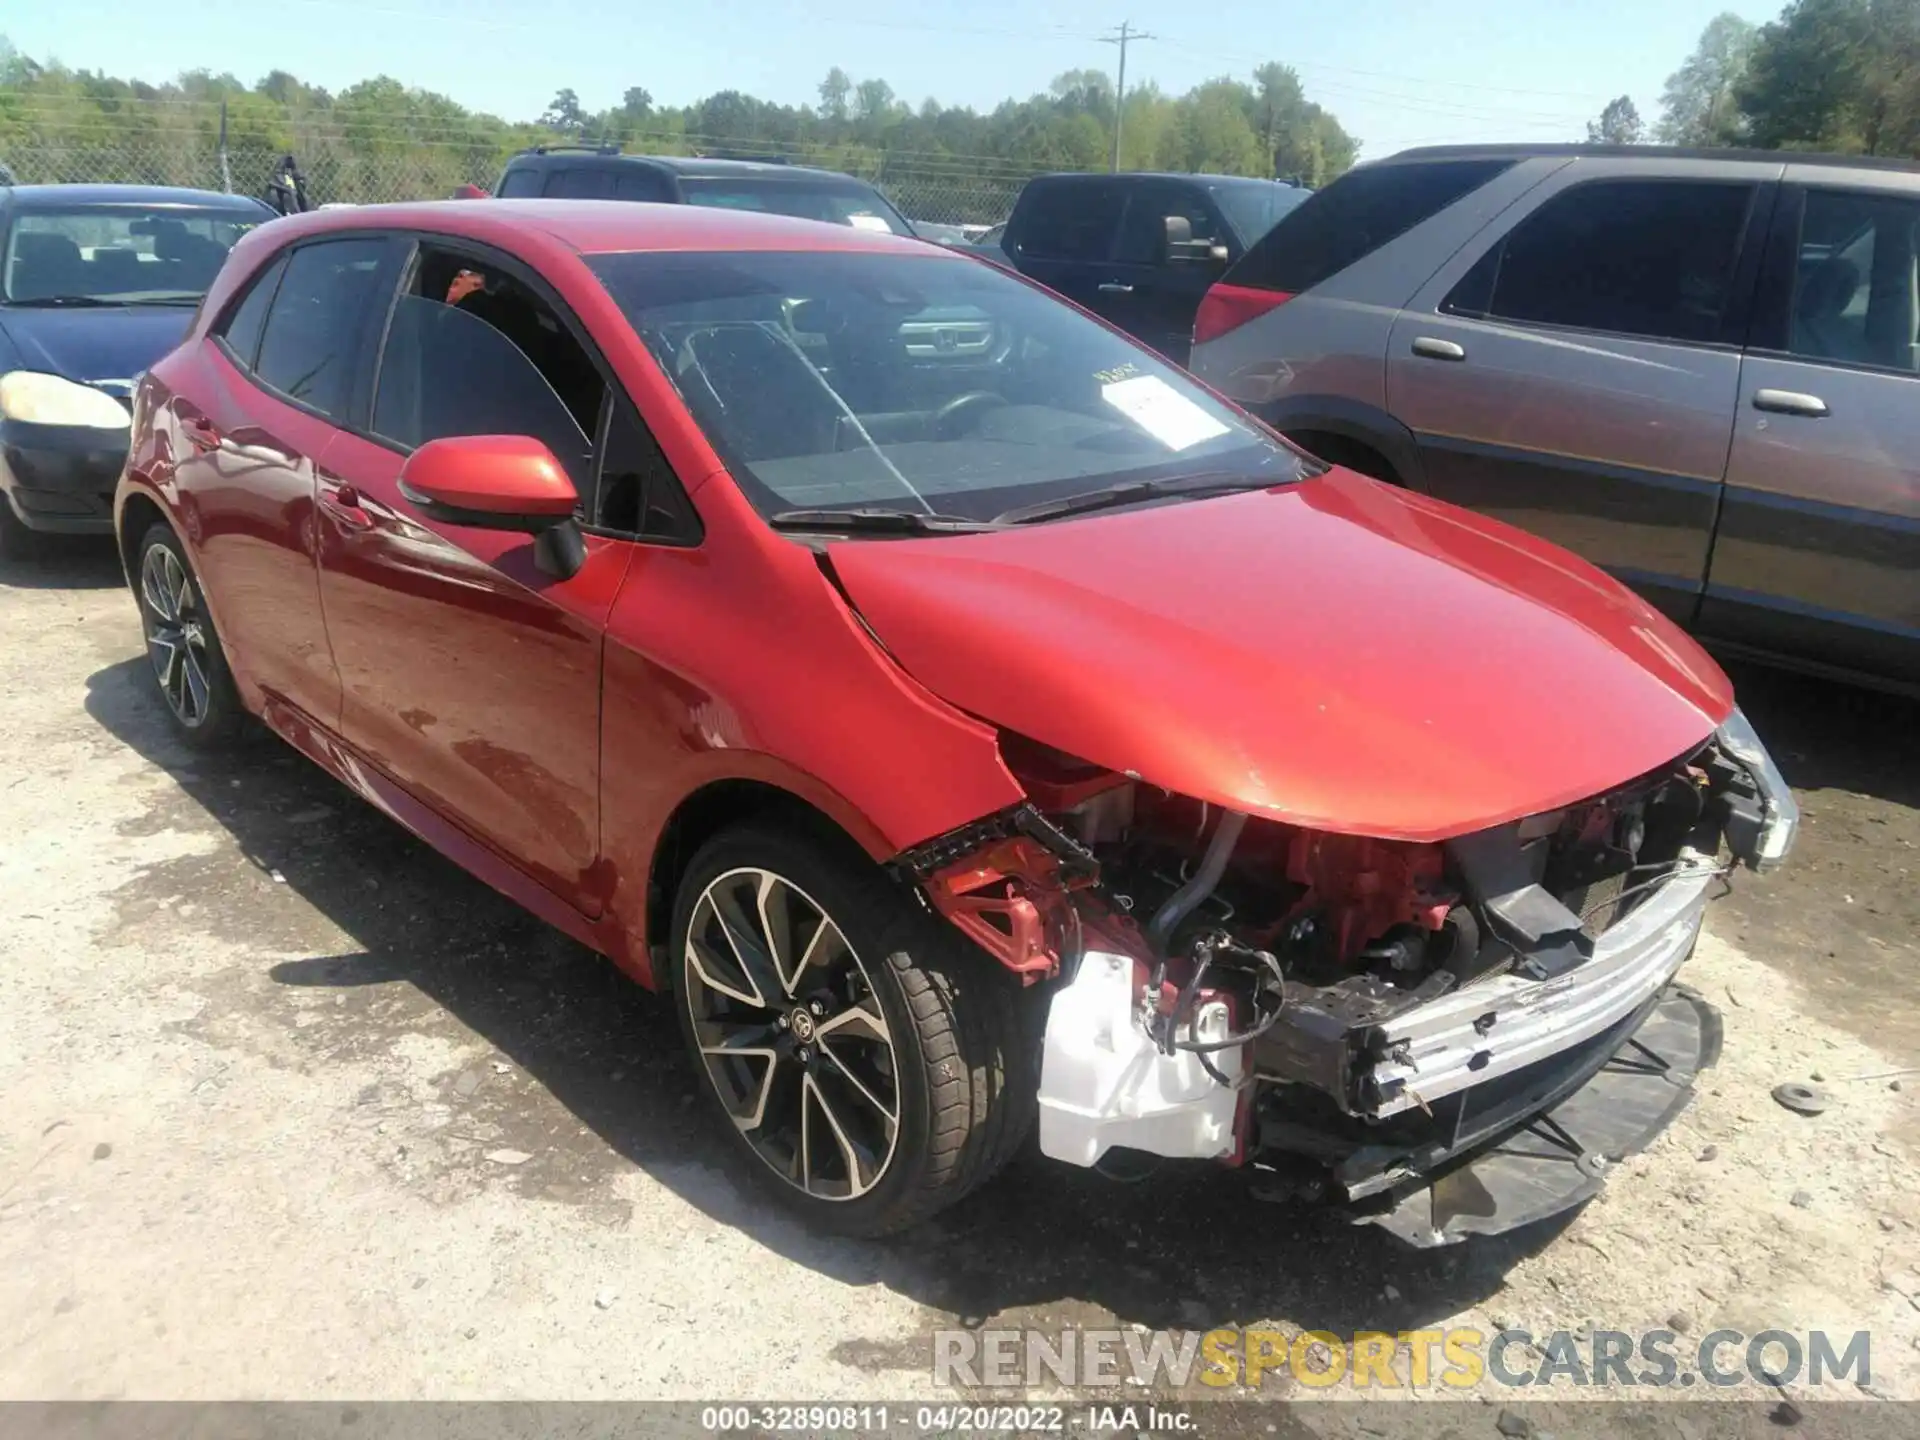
x,y
1427,348
1114,287
342,502
1790,402
202,433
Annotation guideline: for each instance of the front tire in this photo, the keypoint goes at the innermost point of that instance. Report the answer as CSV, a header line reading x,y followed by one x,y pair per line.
x,y
867,1059
189,666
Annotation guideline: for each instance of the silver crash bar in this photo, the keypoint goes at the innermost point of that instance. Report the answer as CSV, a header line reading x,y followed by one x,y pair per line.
x,y
1504,1023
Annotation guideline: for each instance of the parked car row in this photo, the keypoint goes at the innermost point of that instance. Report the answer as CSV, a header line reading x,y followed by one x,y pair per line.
x,y
1699,371
96,283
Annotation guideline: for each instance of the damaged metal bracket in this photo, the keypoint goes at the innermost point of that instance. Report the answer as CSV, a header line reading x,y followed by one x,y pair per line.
x,y
1549,937
921,862
1006,882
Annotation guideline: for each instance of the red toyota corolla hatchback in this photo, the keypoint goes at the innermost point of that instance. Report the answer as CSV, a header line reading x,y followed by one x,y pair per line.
x,y
965,717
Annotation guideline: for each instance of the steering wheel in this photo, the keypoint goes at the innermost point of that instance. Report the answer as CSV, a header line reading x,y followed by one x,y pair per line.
x,y
952,418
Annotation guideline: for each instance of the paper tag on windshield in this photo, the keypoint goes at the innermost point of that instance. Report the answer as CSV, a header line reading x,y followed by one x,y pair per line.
x,y
870,222
1162,411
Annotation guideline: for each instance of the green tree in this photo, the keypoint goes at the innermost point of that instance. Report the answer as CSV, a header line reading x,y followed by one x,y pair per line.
x,y
380,139
1838,75
834,92
565,115
1619,124
1212,132
1697,107
873,102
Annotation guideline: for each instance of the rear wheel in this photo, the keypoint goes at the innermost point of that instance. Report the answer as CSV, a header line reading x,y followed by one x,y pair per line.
x,y
188,663
867,1059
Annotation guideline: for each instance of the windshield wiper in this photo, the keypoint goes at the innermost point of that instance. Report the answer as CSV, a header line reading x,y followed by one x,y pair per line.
x,y
76,301
122,302
1133,491
876,521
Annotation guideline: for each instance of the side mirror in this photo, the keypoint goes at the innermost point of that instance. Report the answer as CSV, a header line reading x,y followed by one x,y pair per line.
x,y
499,482
1183,249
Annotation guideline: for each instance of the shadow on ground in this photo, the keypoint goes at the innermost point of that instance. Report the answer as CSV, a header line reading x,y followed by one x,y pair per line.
x,y
65,562
1843,916
1045,1244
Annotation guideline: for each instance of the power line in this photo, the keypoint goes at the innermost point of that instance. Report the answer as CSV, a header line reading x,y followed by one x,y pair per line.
x,y
1122,37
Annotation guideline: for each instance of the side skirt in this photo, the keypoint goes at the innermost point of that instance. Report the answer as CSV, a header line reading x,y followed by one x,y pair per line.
x,y
350,768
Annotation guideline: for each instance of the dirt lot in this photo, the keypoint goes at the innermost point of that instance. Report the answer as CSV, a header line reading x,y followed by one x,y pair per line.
x,y
290,1107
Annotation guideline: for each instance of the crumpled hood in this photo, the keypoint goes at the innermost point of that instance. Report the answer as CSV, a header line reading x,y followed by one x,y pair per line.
x,y
1337,654
92,345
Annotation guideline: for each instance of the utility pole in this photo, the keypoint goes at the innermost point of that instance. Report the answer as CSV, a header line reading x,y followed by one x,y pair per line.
x,y
1121,37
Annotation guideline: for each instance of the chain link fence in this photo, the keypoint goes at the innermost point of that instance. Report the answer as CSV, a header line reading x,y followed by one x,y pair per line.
x,y
341,167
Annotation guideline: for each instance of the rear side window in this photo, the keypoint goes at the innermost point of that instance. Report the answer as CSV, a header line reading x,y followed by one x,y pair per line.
x,y
1653,258
1353,217
242,330
524,181
1856,294
579,183
1068,222
314,323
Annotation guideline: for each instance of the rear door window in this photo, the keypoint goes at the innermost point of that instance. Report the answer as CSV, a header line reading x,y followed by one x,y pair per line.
x,y
516,183
1357,214
311,338
1856,295
1652,258
1075,221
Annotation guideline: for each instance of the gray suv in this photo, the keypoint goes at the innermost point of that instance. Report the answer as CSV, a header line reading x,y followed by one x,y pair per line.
x,y
1698,369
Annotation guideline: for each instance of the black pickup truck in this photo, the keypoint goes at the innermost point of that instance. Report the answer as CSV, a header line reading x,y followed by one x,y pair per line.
x,y
1138,249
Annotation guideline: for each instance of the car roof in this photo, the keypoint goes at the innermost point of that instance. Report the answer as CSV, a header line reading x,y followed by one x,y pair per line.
x,y
1089,176
1651,153
61,196
693,166
600,227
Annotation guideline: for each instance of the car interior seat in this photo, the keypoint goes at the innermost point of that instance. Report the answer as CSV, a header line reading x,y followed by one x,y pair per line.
x,y
46,265
1821,324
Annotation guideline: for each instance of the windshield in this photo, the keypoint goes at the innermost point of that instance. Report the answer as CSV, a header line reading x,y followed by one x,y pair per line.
x,y
1253,207
119,254
920,383
844,204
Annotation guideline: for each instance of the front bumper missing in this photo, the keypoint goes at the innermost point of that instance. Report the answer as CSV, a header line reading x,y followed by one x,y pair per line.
x,y
1578,1123
1501,1025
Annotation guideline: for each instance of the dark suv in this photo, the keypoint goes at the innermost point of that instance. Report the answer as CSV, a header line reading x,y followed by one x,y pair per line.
x,y
577,172
1698,369
1138,249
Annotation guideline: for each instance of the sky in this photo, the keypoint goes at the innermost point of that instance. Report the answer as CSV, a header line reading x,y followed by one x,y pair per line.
x,y
1395,72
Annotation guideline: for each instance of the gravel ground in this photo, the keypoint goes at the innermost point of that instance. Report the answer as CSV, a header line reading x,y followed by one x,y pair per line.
x,y
292,1108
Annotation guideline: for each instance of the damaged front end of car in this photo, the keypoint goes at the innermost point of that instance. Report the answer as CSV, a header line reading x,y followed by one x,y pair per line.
x,y
1445,1038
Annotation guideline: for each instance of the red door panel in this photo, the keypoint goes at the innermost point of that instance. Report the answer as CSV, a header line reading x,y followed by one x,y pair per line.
x,y
468,675
247,473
